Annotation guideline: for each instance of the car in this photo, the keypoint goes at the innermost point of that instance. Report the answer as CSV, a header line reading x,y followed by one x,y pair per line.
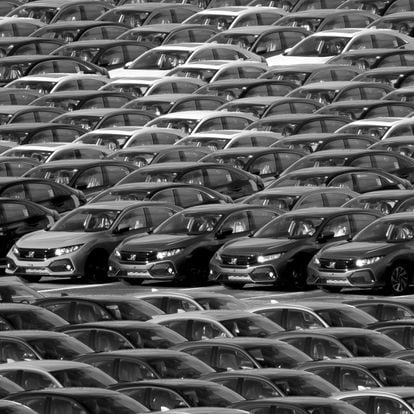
x,y
217,140
143,364
388,398
15,166
225,179
268,163
272,382
182,195
361,180
12,407
263,40
224,18
279,252
403,145
379,256
46,83
103,336
10,114
386,201
303,405
107,53
15,96
155,154
174,302
313,142
39,132
359,342
49,195
25,45
166,394
161,59
95,118
88,176
301,5
163,34
51,11
352,374
56,151
372,6
401,94
193,236
218,324
73,30
316,20
398,329
247,354
18,26
82,399
37,375
80,243
17,292
394,57
401,21
160,104
313,315
386,309
388,75
293,198
321,46
133,15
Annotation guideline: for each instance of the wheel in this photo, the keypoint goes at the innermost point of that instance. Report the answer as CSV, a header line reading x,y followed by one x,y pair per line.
x,y
132,282
398,279
331,289
31,279
96,267
194,273
231,285
297,278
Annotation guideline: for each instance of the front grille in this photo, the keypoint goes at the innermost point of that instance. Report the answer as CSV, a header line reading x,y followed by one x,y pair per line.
x,y
35,254
138,257
336,264
242,261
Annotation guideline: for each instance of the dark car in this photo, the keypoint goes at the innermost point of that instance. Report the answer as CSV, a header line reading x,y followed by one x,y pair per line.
x,y
20,217
323,141
47,194
379,256
141,364
89,176
181,247
79,244
39,132
351,374
81,309
166,394
267,163
182,195
12,407
293,198
106,336
78,399
83,99
73,30
279,252
222,178
270,382
361,180
10,46
244,353
10,114
110,54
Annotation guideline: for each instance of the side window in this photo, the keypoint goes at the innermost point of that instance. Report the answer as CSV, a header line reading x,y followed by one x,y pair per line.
x,y
61,309
361,42
232,122
264,165
166,196
39,192
187,197
407,206
363,161
162,400
238,222
87,312
219,176
229,383
91,178
14,191
177,326
297,319
71,13
36,381
350,94
115,173
231,359
361,402
202,353
275,315
343,181
360,221
159,214
211,124
41,137
270,44
386,162
336,199
253,389
13,212
205,330
83,335
133,220
163,16
321,349
338,226
38,405
354,379
260,218
327,373
312,200
133,371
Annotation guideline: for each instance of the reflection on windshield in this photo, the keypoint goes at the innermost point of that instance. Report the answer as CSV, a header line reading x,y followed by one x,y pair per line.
x,y
87,221
183,367
291,227
345,317
256,326
386,232
58,348
371,345
82,377
394,375
281,202
304,385
189,224
320,46
161,60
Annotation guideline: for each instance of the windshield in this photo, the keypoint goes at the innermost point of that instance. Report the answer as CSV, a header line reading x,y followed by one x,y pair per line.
x,y
282,227
281,355
319,46
210,395
395,375
220,303
45,14
255,326
185,125
387,232
140,159
11,71
384,206
34,319
39,155
184,366
198,73
116,195
191,224
161,60
39,86
371,345
212,143
219,21
61,176
111,141
282,202
114,403
338,407
85,122
303,384
65,348
87,220
237,161
136,310
155,38
14,136
374,131
308,23
301,180
240,39
350,317
154,337
83,377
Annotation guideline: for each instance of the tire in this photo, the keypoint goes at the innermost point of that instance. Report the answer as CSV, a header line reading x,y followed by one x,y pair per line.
x,y
331,289
194,273
96,267
297,278
234,285
31,279
398,279
132,282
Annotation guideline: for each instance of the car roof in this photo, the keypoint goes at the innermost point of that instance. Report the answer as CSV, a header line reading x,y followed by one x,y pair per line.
x,y
45,364
217,315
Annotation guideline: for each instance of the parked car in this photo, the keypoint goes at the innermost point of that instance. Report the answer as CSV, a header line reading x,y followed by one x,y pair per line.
x,y
17,292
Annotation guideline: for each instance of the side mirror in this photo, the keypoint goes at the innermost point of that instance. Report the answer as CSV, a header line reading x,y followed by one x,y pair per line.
x,y
221,234
324,237
127,65
122,228
286,51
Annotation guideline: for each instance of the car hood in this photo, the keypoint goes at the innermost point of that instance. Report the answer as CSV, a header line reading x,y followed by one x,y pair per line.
x,y
356,250
136,73
282,60
159,242
52,239
259,246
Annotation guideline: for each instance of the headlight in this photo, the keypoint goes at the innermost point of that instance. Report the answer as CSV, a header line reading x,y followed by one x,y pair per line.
x,y
316,260
217,256
117,253
268,257
15,250
168,253
67,250
367,261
